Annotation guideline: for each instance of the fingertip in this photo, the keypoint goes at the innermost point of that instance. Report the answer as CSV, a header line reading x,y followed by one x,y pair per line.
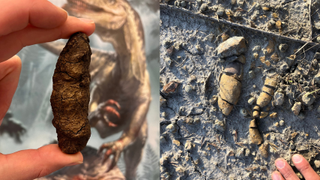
x,y
280,163
9,78
75,159
297,158
304,167
74,24
276,176
61,157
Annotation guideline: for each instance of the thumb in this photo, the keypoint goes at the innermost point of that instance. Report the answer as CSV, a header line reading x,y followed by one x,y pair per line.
x,y
9,78
35,163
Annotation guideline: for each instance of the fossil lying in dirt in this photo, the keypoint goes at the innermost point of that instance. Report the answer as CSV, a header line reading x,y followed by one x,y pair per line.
x,y
70,96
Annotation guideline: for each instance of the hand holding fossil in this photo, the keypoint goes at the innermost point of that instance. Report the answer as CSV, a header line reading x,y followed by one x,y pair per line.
x,y
25,23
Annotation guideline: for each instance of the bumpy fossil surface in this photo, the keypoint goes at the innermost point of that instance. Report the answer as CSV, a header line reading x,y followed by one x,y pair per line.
x,y
70,96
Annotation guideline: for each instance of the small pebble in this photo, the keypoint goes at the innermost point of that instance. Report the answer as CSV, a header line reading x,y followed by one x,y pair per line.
x,y
183,3
317,163
274,115
281,122
251,74
276,124
256,48
247,152
188,145
220,11
188,88
214,99
203,7
252,100
296,108
168,62
171,128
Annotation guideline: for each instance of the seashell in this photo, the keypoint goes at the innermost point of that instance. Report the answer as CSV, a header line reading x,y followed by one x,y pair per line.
x,y
308,99
283,47
255,137
278,98
243,112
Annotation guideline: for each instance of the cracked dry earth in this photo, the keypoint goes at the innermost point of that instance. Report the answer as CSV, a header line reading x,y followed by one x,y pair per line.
x,y
197,140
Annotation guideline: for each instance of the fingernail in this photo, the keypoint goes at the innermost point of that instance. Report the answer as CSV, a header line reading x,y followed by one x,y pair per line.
x,y
296,158
86,20
76,159
276,176
279,164
75,163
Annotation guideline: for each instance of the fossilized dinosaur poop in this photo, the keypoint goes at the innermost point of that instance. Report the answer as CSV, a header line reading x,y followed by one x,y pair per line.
x,y
254,134
70,96
266,94
230,86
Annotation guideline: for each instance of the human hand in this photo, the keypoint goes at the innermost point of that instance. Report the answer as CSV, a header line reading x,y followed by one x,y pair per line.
x,y
287,173
25,23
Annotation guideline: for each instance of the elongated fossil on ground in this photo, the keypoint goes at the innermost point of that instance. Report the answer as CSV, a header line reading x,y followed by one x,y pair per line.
x,y
255,137
70,96
230,85
266,94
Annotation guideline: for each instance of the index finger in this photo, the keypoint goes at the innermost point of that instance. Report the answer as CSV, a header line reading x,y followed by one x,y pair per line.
x,y
15,15
304,167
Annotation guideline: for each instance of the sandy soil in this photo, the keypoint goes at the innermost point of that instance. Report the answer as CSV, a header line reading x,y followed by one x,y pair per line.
x,y
196,140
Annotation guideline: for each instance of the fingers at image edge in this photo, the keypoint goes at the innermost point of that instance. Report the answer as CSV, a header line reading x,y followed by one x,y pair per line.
x,y
14,42
34,163
285,169
276,176
304,167
9,78
16,15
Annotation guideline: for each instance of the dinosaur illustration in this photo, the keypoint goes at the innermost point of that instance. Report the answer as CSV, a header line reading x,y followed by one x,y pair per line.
x,y
120,89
